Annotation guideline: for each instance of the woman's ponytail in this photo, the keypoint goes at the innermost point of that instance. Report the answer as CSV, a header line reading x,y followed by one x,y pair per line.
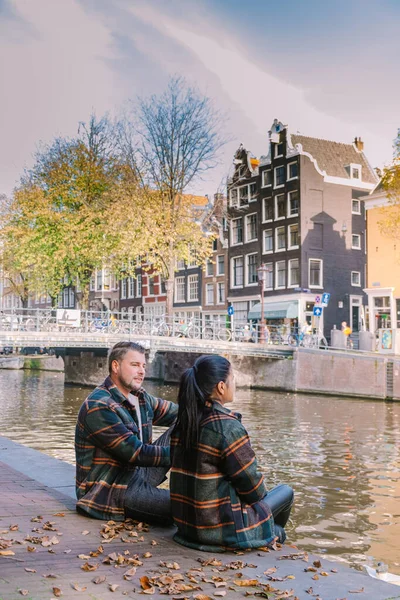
x,y
196,386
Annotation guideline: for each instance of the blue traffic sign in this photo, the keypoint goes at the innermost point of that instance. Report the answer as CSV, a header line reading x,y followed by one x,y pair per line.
x,y
231,310
325,299
317,311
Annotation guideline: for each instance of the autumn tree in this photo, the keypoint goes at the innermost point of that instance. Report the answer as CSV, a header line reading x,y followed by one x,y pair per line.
x,y
57,229
390,182
173,140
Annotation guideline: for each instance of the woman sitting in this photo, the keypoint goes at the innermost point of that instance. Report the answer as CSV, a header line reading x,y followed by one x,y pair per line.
x,y
218,497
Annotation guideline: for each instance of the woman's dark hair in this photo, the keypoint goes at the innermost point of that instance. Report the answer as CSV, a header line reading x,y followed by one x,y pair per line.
x,y
196,386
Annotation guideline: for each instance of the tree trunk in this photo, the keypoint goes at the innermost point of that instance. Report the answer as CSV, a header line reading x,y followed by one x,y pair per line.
x,y
169,288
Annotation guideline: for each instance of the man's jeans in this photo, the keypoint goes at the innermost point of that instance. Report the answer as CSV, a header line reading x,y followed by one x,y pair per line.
x,y
144,501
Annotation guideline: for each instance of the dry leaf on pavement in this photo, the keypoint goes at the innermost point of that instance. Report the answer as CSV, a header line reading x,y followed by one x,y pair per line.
x,y
100,579
78,588
57,592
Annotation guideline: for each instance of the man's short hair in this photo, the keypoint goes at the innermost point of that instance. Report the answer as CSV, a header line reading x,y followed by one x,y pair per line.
x,y
118,352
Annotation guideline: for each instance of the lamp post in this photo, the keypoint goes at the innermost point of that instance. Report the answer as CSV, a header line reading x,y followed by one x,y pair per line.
x,y
262,273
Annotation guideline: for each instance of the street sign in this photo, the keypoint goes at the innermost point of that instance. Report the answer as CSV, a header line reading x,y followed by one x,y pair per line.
x,y
317,311
231,310
317,299
325,299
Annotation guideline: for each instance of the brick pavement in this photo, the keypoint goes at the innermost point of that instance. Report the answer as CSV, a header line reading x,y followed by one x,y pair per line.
x,y
29,509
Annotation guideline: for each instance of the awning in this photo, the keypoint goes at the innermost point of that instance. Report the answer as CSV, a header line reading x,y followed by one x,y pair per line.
x,y
275,310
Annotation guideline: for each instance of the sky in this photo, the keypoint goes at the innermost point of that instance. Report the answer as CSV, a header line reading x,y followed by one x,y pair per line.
x,y
327,69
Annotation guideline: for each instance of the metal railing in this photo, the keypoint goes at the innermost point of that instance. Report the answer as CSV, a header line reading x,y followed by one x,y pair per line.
x,y
131,324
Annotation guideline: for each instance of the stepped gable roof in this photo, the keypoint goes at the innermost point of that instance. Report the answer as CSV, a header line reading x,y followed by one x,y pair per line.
x,y
334,157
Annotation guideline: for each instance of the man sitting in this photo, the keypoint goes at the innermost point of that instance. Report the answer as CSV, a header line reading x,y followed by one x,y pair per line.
x,y
118,468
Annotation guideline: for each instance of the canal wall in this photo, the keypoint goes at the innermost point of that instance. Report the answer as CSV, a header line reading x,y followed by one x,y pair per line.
x,y
309,371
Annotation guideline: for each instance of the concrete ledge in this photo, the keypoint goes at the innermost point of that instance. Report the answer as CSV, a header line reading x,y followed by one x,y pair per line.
x,y
47,470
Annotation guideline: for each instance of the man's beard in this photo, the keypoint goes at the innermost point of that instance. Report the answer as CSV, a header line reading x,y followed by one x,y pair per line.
x,y
131,385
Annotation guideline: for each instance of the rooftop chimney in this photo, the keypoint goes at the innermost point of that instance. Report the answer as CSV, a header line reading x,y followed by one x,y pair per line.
x,y
359,144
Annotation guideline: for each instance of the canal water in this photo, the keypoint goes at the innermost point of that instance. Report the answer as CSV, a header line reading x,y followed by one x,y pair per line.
x,y
341,456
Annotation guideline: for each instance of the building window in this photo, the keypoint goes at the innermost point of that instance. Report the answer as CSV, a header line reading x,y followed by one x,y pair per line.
x,y
293,204
278,150
221,264
251,227
180,265
356,278
292,171
123,288
99,279
315,273
280,239
279,177
221,292
139,285
266,178
243,195
280,206
92,283
268,213
209,293
294,272
237,231
356,241
356,207
293,235
268,241
209,268
233,196
192,259
268,276
251,265
237,271
180,289
193,281
355,171
151,286
215,245
280,274
131,287
253,192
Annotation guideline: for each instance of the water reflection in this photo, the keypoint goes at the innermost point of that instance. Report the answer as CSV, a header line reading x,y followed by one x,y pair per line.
x,y
340,455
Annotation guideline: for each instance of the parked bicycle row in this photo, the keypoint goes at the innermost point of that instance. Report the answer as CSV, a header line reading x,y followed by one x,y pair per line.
x,y
161,325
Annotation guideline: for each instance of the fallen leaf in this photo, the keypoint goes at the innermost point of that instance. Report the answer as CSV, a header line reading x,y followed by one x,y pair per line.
x,y
24,592
201,597
334,570
67,551
49,576
37,519
85,532
220,593
113,587
129,574
57,592
100,579
89,567
13,527
153,543
324,574
7,553
31,549
78,588
246,582
30,570
356,591
317,563
315,577
59,514
83,556
145,582
147,555
270,571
